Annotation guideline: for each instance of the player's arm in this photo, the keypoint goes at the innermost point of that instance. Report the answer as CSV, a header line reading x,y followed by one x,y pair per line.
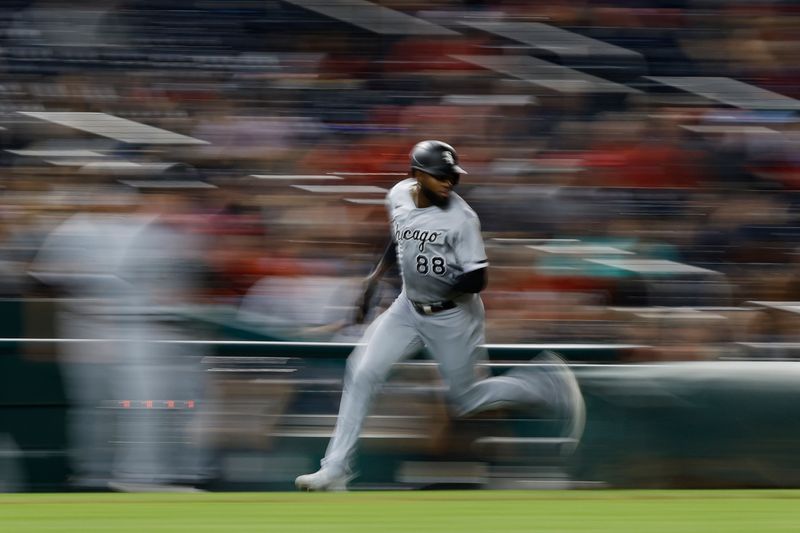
x,y
474,281
387,261
471,254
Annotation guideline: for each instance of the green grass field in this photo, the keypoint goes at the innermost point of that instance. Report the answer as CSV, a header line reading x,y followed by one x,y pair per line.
x,y
602,511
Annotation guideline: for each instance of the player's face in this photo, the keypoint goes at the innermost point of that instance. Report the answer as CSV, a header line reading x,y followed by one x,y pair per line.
x,y
436,188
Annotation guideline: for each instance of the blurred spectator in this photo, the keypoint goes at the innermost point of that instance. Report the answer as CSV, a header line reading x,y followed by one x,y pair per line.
x,y
302,99
134,397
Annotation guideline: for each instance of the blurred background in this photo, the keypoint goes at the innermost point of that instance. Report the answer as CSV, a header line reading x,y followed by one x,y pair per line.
x,y
192,191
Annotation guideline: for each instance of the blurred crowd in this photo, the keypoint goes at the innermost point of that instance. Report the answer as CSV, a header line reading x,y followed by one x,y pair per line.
x,y
651,217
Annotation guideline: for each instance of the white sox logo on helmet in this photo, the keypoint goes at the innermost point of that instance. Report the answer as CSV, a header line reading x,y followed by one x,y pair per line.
x,y
448,158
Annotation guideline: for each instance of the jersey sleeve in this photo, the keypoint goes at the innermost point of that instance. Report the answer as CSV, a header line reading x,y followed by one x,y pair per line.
x,y
468,248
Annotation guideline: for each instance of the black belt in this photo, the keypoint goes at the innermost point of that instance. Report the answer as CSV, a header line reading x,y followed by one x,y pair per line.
x,y
433,308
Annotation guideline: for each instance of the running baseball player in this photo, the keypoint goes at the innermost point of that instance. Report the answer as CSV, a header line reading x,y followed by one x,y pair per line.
x,y
436,240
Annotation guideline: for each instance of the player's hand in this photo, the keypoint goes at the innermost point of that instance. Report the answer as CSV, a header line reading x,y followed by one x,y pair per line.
x,y
364,301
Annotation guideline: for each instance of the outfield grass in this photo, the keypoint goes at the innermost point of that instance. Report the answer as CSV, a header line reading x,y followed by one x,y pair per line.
x,y
608,511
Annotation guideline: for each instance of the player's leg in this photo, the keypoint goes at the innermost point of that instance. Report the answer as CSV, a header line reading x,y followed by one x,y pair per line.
x,y
89,425
470,394
455,339
137,457
389,339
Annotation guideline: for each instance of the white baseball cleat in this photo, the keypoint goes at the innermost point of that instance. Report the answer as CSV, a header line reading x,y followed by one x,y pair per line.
x,y
568,399
327,478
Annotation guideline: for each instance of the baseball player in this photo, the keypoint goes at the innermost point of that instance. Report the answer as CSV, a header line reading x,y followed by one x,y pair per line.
x,y
436,241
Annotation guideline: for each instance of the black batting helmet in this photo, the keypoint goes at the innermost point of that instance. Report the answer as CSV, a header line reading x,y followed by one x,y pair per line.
x,y
436,158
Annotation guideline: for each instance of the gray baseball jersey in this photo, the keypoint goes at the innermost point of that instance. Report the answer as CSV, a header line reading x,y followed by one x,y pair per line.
x,y
434,245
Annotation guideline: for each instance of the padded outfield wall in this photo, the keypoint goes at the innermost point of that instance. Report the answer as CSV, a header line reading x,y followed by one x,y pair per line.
x,y
272,405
